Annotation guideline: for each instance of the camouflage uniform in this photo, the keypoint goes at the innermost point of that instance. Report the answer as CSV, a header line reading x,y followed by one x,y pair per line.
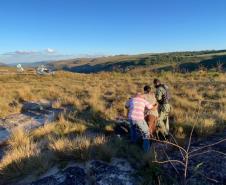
x,y
164,109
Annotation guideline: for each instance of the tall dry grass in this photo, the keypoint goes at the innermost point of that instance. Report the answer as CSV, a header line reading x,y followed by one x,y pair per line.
x,y
105,94
97,99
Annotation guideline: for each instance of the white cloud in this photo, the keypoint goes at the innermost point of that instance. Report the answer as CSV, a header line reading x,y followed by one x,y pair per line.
x,y
24,52
28,56
50,50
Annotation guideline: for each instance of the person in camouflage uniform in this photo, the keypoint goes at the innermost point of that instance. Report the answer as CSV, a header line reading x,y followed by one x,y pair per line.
x,y
162,96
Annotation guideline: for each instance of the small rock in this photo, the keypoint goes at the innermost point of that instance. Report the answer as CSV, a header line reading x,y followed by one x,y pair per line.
x,y
33,115
36,106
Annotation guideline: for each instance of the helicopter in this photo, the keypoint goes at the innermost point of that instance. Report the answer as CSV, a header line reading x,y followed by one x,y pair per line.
x,y
44,70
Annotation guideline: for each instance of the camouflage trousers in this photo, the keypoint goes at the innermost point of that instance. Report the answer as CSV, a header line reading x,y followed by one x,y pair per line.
x,y
163,120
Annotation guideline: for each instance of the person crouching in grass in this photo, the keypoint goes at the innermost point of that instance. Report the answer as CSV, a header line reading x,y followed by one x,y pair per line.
x,y
137,106
151,116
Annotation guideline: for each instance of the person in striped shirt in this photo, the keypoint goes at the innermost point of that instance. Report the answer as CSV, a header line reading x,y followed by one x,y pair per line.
x,y
151,116
136,106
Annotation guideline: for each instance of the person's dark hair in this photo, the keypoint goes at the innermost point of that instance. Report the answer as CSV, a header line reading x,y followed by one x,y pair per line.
x,y
147,88
156,81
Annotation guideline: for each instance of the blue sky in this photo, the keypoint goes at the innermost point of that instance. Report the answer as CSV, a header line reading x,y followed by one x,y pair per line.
x,y
35,30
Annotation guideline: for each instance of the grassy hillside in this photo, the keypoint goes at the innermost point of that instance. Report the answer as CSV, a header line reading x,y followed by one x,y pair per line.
x,y
97,99
176,61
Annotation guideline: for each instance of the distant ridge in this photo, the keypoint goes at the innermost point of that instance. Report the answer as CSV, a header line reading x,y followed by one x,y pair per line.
x,y
181,61
33,64
3,65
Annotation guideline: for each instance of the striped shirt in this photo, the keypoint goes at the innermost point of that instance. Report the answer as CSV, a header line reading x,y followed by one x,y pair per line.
x,y
137,107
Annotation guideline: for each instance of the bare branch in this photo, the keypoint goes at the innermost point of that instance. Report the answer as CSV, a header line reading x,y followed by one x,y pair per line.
x,y
213,144
189,141
208,178
207,151
169,143
186,166
169,161
219,152
199,154
193,127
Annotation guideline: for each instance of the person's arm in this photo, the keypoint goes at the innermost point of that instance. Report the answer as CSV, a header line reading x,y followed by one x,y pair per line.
x,y
148,105
127,104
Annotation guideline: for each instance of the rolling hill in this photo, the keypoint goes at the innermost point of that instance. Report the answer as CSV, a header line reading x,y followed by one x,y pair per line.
x,y
174,61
